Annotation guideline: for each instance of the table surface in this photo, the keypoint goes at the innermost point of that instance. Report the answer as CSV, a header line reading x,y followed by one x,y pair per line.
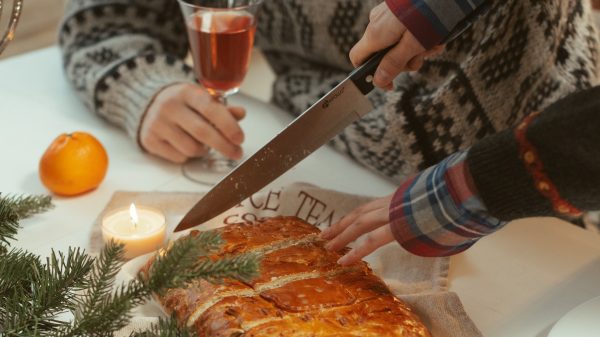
x,y
517,282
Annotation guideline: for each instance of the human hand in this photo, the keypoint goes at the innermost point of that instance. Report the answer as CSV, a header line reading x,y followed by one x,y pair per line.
x,y
384,30
184,121
372,220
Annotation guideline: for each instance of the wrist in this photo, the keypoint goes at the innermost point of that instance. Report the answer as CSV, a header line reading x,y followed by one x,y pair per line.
x,y
438,212
418,24
144,116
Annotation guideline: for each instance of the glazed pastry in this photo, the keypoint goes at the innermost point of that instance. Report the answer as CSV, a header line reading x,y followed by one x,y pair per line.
x,y
301,291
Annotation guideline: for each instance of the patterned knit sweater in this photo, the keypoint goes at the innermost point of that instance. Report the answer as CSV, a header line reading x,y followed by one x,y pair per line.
x,y
519,57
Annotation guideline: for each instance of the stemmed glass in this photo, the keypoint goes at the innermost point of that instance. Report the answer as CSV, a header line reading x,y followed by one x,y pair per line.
x,y
221,36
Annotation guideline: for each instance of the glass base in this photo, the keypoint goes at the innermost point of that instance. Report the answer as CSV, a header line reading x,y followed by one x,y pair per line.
x,y
222,95
209,169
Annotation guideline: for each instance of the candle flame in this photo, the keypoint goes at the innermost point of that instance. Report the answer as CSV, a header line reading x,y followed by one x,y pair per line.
x,y
133,214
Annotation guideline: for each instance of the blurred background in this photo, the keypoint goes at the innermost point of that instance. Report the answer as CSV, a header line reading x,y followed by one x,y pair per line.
x,y
37,27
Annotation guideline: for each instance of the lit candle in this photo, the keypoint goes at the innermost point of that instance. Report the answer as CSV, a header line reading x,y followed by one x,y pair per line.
x,y
141,229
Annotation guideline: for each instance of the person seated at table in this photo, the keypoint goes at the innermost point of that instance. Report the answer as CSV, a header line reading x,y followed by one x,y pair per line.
x,y
125,61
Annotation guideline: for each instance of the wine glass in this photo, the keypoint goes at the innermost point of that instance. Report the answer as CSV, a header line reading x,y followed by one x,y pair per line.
x,y
221,36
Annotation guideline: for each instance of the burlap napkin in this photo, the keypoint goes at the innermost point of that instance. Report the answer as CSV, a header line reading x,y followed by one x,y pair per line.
x,y
421,282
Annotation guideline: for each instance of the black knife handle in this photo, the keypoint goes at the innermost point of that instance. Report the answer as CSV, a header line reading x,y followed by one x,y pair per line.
x,y
363,75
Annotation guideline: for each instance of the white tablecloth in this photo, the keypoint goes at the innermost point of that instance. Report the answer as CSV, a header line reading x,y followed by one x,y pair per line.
x,y
518,282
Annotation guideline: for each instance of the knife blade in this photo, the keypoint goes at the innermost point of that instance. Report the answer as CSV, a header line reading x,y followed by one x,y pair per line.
x,y
344,104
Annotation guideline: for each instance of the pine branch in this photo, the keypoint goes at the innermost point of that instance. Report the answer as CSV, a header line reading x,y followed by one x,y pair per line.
x,y
27,205
111,312
15,208
16,268
34,294
101,312
240,267
102,276
9,223
182,256
64,276
208,242
44,292
169,270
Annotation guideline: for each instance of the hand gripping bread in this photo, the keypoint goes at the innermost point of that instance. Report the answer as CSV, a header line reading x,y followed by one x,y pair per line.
x,y
301,291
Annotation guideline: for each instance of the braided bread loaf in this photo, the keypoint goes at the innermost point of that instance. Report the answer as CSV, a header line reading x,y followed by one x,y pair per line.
x,y
301,291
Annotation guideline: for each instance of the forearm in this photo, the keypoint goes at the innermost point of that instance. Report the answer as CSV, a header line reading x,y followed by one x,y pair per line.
x,y
119,55
438,212
548,165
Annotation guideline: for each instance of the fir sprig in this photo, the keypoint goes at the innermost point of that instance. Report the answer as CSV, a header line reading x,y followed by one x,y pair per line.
x,y
63,277
15,208
171,269
16,269
28,205
180,259
9,224
39,292
101,278
240,267
34,294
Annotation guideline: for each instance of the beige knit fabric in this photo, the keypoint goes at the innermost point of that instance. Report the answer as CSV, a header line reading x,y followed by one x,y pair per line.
x,y
519,57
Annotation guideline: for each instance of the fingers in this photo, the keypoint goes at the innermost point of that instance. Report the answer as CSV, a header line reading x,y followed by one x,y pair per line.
x,y
416,63
368,221
163,149
395,61
362,224
183,121
181,141
238,112
215,113
351,217
342,224
204,132
377,238
384,30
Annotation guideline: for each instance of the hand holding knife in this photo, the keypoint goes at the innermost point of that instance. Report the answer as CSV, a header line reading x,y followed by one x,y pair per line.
x,y
344,104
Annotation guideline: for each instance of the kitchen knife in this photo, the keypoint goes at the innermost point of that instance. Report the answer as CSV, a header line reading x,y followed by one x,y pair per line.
x,y
343,105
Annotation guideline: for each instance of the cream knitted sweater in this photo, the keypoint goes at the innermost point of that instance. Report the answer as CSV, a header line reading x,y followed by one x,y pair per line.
x,y
518,58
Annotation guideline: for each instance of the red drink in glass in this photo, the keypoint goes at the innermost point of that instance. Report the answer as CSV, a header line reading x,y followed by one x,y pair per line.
x,y
221,44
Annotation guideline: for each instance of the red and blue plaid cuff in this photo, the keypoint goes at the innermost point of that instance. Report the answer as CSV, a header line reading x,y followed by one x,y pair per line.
x,y
438,212
432,21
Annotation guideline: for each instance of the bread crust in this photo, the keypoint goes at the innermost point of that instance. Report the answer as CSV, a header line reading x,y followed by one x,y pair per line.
x,y
301,291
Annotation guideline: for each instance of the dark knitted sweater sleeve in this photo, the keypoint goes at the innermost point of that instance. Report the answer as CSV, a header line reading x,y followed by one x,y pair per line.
x,y
119,54
548,167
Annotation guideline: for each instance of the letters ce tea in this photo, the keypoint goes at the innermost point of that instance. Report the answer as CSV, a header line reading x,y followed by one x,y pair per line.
x,y
301,291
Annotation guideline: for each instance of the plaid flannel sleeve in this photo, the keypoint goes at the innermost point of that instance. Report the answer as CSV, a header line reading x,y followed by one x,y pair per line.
x,y
434,22
438,213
